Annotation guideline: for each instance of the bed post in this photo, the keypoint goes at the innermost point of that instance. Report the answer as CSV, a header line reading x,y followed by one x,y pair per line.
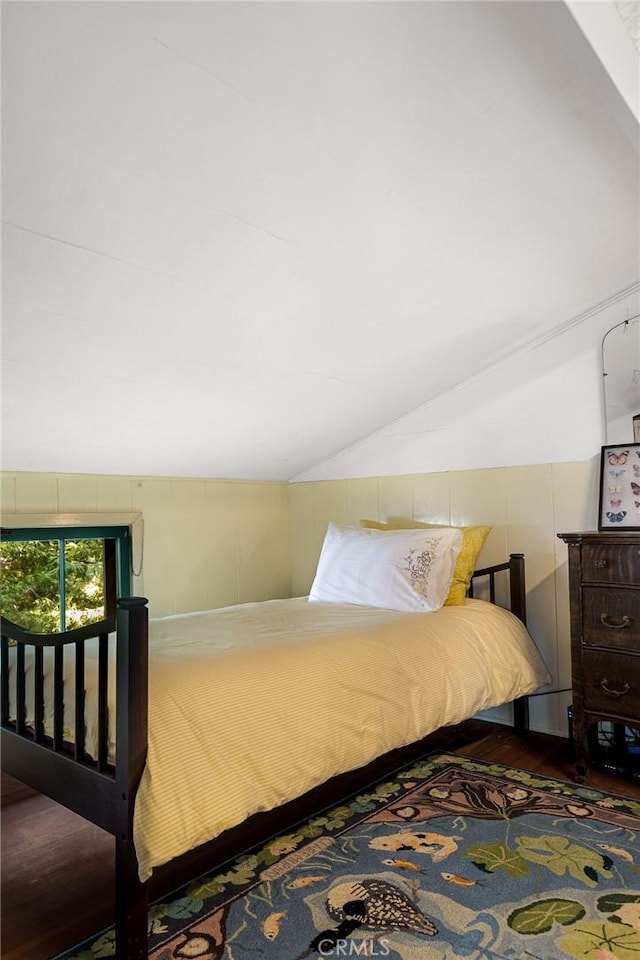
x,y
517,586
519,608
132,683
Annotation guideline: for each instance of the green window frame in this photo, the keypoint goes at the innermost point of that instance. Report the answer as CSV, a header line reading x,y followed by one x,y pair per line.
x,y
116,558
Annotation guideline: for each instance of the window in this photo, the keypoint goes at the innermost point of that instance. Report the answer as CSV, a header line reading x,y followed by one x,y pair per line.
x,y
57,578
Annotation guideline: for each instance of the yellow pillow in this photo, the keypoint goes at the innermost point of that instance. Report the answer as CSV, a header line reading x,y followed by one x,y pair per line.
x,y
376,525
473,539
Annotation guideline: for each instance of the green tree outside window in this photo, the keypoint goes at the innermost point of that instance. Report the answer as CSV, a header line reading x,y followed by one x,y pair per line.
x,y
52,581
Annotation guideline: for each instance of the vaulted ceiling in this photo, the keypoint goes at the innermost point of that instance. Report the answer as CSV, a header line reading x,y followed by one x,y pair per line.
x,y
240,236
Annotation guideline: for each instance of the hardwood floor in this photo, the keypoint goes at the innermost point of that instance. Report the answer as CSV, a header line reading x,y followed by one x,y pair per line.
x,y
57,869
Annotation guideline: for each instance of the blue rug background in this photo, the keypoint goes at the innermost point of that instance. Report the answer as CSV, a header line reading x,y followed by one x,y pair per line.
x,y
450,859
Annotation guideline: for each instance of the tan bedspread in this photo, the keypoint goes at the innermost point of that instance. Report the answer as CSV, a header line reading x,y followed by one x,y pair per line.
x,y
252,705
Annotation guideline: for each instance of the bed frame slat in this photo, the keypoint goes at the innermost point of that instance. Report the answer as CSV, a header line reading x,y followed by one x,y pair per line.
x,y
58,701
103,718
21,691
38,695
4,680
79,736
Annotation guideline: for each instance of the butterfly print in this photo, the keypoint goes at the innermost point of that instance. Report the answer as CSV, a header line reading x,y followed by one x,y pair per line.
x,y
618,473
615,488
615,503
636,469
616,517
635,488
637,503
618,457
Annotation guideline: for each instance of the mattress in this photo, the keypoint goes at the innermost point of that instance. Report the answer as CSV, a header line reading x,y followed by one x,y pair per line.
x,y
252,705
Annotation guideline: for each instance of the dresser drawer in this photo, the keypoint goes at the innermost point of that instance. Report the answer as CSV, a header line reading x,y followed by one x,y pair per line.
x,y
611,562
611,617
612,683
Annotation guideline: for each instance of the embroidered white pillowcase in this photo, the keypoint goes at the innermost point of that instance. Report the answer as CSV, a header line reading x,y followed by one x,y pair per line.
x,y
396,569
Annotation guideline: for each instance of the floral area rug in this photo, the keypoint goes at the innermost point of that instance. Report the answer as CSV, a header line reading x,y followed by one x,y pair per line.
x,y
451,858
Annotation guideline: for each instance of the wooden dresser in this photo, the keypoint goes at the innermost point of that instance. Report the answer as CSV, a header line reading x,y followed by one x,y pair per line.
x,y
604,594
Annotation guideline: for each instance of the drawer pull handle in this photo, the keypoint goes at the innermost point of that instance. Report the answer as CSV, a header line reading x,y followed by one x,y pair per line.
x,y
600,564
625,622
614,693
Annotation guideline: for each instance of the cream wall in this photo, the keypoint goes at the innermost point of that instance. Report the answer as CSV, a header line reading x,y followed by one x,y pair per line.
x,y
209,543
205,543
527,506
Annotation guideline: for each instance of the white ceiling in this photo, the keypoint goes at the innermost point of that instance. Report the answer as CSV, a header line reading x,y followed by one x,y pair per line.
x,y
240,236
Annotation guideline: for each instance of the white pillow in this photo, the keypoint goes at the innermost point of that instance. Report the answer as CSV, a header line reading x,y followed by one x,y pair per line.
x,y
395,569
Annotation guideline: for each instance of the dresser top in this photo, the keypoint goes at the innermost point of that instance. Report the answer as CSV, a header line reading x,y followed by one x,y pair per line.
x,y
602,536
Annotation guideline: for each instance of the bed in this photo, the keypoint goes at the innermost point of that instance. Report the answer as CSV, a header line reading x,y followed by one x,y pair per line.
x,y
189,750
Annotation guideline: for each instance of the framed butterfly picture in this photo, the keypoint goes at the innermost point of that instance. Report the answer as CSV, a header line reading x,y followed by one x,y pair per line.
x,y
620,487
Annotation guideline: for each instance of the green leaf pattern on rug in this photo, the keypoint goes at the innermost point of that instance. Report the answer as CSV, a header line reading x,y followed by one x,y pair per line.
x,y
365,802
157,913
334,820
611,902
205,888
612,803
183,908
104,946
492,857
241,874
561,856
603,941
539,917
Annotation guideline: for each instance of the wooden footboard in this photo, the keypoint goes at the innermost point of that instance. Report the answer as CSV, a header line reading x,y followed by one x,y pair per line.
x,y
103,791
100,790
